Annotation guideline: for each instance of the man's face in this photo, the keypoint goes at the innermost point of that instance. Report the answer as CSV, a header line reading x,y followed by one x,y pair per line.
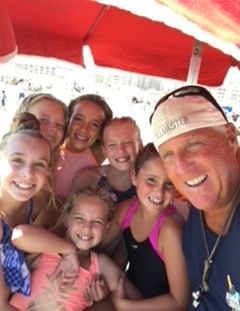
x,y
202,165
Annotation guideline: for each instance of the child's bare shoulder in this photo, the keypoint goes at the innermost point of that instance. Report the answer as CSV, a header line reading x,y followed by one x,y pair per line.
x,y
86,177
107,265
123,206
173,225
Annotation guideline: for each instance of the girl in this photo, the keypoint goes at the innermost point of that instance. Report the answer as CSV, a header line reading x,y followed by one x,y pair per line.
x,y
52,115
87,116
121,141
86,216
48,215
152,231
24,167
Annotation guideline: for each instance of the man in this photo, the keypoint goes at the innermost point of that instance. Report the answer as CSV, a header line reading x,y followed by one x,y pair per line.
x,y
200,153
3,100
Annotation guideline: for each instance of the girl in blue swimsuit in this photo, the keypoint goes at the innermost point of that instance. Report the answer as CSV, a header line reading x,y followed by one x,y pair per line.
x,y
152,230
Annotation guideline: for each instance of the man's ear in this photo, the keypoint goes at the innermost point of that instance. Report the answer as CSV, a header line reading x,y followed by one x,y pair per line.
x,y
231,133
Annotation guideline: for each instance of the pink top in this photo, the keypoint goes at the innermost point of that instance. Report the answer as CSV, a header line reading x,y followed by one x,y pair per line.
x,y
154,234
46,293
68,165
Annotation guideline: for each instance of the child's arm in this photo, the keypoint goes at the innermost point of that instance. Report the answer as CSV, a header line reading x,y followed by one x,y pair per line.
x,y
112,275
85,178
34,239
170,244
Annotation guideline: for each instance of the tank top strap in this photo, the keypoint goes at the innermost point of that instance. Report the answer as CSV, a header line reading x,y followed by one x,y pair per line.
x,y
129,214
154,235
94,263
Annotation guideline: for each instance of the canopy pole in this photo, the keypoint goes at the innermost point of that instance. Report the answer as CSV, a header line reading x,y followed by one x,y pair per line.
x,y
88,59
95,22
195,63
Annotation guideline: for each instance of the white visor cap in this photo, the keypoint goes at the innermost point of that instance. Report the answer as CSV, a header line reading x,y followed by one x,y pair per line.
x,y
179,115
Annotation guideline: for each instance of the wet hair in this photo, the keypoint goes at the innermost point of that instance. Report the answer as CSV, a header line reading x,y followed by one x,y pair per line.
x,y
93,192
147,153
122,120
32,99
95,99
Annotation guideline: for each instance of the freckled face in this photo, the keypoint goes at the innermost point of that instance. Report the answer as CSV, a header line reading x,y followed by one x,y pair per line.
x,y
87,222
85,126
24,166
154,189
52,122
121,144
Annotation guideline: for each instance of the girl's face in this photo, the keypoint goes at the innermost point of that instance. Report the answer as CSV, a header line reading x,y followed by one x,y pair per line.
x,y
84,126
121,145
87,222
24,166
52,122
154,189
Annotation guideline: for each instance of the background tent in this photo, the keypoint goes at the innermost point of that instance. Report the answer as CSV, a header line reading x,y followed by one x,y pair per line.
x,y
8,46
121,39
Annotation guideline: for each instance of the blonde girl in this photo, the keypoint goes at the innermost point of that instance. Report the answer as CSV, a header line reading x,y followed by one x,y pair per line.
x,y
24,168
51,206
86,216
121,142
52,115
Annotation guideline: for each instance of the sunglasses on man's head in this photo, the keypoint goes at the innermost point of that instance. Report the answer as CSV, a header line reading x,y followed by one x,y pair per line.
x,y
190,90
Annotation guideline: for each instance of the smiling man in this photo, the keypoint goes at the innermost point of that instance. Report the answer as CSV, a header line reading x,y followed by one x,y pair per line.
x,y
200,153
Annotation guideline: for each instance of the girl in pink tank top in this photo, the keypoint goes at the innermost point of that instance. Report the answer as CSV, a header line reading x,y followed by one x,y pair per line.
x,y
87,116
86,217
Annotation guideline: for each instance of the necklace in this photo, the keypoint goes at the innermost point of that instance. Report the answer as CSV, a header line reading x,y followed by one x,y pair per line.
x,y
204,287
